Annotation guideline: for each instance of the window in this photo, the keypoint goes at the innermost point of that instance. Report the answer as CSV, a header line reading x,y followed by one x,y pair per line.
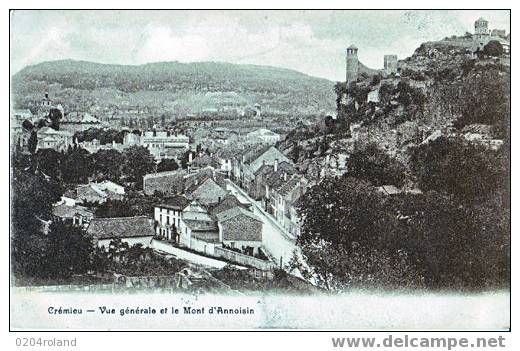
x,y
232,244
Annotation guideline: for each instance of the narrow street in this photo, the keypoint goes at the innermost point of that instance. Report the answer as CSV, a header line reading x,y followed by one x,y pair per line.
x,y
275,239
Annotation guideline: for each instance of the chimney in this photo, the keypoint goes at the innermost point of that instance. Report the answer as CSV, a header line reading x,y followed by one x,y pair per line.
x,y
276,165
190,157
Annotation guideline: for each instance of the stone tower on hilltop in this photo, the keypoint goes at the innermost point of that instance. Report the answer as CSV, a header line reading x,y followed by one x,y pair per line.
x,y
352,63
481,27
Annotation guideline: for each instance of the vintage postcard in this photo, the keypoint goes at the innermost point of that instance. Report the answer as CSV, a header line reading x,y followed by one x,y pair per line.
x,y
247,170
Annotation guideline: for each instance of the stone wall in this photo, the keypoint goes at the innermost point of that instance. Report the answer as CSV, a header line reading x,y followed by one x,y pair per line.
x,y
244,259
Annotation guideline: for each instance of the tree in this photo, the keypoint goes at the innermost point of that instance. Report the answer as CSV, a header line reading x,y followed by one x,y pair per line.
x,y
108,164
345,227
49,161
376,79
295,152
138,162
450,243
32,143
55,116
454,166
68,251
167,165
484,98
493,48
31,206
353,236
114,208
26,124
76,166
185,159
374,165
342,211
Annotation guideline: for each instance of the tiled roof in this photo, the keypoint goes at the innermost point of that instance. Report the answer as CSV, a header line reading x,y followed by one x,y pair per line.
x,y
208,192
291,183
229,202
389,189
64,211
269,156
180,173
83,191
276,180
265,169
204,160
260,132
193,181
197,225
240,225
207,236
477,129
177,202
71,193
122,227
227,153
234,212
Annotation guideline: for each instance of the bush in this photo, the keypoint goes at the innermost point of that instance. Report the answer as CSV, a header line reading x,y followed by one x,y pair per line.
x,y
493,48
456,167
374,165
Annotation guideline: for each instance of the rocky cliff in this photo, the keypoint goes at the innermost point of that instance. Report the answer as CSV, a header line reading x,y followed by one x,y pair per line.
x,y
442,89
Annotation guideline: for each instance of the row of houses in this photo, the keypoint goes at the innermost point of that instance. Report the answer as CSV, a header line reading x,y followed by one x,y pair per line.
x,y
204,228
265,173
201,216
271,178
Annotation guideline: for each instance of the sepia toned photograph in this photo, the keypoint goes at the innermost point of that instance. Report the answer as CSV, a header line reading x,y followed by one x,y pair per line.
x,y
260,169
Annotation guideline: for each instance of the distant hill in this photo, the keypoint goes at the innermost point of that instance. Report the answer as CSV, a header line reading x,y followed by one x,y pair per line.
x,y
173,86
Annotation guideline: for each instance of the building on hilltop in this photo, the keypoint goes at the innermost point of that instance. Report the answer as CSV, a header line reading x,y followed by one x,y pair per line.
x,y
356,68
483,36
481,28
352,64
390,64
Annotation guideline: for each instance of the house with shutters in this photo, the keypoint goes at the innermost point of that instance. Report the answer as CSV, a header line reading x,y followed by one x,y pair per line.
x,y
168,215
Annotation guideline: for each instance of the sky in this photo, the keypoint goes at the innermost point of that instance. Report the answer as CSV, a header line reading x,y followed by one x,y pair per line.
x,y
312,42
